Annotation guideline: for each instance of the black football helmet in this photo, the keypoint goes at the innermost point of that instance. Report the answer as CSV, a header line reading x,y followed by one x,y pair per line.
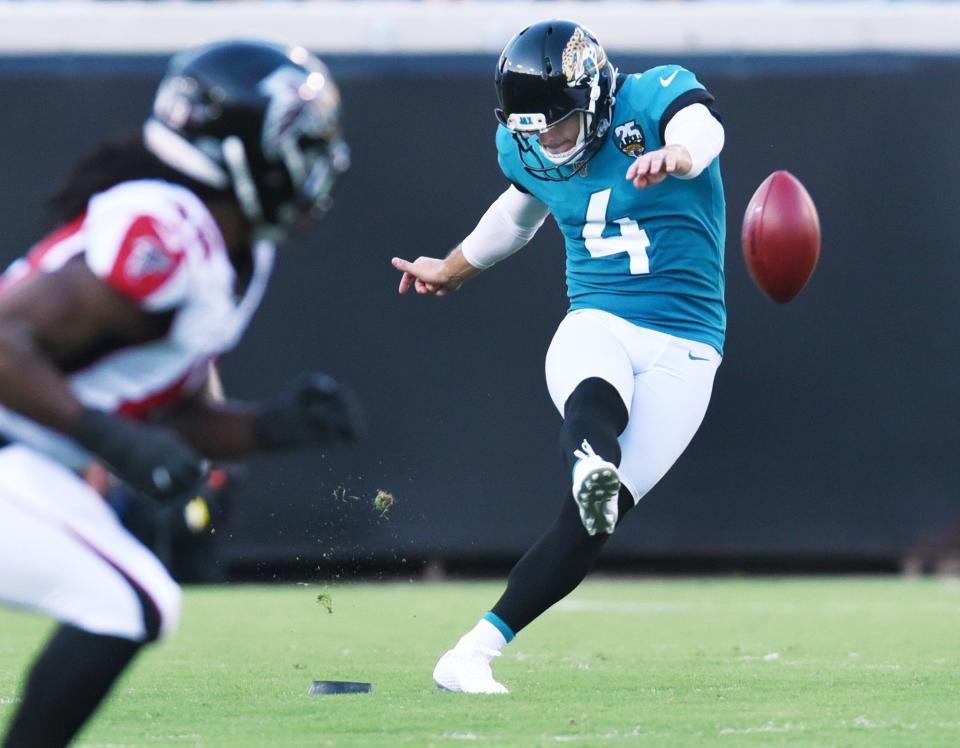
x,y
548,72
262,120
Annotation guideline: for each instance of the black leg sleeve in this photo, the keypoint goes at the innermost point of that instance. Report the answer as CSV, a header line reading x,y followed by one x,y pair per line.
x,y
66,684
594,412
553,567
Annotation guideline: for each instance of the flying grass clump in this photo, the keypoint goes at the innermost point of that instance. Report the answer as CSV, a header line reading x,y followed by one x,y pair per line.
x,y
383,501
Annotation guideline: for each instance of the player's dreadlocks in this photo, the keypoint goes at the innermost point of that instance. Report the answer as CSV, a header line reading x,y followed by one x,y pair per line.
x,y
111,164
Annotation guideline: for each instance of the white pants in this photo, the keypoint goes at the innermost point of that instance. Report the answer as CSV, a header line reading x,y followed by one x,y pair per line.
x,y
664,381
64,553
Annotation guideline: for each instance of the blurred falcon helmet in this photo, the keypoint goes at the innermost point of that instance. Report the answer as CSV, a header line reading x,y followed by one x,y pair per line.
x,y
548,72
260,119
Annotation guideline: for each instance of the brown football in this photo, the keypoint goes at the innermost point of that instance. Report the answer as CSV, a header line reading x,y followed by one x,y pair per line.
x,y
781,236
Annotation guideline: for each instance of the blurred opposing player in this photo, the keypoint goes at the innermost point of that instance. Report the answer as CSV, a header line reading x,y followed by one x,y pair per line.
x,y
627,166
107,329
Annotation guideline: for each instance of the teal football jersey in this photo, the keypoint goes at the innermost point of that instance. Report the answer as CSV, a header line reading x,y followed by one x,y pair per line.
x,y
652,256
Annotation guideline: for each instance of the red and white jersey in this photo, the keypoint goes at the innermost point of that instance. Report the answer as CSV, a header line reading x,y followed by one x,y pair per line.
x,y
156,243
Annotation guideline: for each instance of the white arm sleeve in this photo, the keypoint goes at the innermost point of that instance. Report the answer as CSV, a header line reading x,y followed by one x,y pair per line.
x,y
507,225
695,128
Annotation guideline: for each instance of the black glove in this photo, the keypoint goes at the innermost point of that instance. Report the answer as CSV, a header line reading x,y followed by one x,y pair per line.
x,y
149,458
313,410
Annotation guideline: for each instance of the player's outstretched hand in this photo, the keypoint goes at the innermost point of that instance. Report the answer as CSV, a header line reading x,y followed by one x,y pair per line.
x,y
653,167
427,275
152,459
315,409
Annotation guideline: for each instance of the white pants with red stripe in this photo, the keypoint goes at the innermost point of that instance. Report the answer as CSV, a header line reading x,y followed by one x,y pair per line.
x,y
64,553
664,381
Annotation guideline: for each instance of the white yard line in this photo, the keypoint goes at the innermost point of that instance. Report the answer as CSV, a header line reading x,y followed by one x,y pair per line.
x,y
767,727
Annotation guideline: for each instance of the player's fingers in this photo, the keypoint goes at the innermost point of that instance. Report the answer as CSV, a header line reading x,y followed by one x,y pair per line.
x,y
423,287
407,278
670,163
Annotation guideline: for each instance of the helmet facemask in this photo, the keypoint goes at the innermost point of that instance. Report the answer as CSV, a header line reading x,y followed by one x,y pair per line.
x,y
301,145
572,153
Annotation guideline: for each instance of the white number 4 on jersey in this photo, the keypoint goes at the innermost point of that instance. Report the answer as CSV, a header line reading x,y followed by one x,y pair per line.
x,y
632,240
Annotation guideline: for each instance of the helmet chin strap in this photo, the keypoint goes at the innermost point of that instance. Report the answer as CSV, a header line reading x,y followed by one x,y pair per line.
x,y
560,158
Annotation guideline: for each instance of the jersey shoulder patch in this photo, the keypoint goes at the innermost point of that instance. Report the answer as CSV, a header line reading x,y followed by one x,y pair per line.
x,y
137,239
146,260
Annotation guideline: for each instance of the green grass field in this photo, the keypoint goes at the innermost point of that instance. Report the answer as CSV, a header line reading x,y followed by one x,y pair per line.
x,y
738,662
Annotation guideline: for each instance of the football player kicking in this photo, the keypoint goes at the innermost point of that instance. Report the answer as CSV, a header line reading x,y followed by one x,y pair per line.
x,y
108,326
627,166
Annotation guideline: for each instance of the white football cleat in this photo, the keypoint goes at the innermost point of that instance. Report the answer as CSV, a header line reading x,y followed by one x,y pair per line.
x,y
467,670
596,488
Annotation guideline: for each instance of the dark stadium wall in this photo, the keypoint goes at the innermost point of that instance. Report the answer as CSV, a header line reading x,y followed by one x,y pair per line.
x,y
833,429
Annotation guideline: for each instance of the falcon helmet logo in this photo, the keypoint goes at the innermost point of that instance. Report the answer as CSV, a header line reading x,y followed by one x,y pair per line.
x,y
301,104
178,105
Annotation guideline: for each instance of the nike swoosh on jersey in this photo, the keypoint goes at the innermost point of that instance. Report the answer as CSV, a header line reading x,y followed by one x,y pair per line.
x,y
697,358
669,79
